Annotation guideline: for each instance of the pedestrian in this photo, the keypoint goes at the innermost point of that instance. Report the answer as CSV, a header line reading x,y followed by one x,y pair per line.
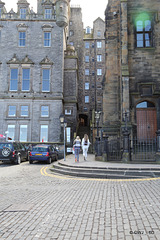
x,y
85,146
77,148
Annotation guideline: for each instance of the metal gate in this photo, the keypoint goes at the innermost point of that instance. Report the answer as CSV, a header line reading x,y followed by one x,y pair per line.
x,y
143,150
114,152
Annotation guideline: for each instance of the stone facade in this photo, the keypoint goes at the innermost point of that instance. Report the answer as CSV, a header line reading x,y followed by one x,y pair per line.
x,y
132,68
32,76
90,46
71,91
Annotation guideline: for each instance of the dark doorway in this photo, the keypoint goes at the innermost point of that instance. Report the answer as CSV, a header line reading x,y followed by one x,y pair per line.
x,y
146,120
83,120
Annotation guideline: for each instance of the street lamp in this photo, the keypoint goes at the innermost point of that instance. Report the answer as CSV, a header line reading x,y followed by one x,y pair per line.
x,y
97,117
97,142
64,124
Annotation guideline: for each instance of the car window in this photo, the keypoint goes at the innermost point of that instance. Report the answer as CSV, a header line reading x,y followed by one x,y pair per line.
x,y
22,147
15,146
19,146
3,145
39,149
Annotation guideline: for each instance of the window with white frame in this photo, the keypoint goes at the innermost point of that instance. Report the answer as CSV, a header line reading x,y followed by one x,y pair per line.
x,y
71,33
45,80
87,86
47,39
23,13
14,79
68,134
22,39
44,133
0,12
25,79
99,44
11,132
86,71
44,111
48,13
99,58
88,30
68,112
23,133
24,111
98,33
86,44
86,58
86,99
99,71
12,111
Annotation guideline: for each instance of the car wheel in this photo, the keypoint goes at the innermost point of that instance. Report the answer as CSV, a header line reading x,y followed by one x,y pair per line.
x,y
18,160
50,160
30,161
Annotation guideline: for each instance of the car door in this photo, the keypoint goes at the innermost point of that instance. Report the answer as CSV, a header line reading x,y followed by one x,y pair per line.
x,y
55,153
23,151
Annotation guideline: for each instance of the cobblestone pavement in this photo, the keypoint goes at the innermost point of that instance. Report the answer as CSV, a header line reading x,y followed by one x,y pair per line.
x,y
35,204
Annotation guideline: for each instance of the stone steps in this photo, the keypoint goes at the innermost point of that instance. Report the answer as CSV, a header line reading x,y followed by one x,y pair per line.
x,y
104,173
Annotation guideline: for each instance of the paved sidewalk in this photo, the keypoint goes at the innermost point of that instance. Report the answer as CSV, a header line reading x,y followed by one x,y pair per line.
x,y
92,163
37,205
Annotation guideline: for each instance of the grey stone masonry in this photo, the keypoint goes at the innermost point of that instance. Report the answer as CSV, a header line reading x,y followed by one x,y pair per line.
x,y
32,49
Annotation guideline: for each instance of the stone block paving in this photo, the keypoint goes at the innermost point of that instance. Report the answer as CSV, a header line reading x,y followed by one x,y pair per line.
x,y
37,206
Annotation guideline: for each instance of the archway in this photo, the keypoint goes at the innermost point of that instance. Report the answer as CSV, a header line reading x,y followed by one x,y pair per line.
x,y
83,120
146,120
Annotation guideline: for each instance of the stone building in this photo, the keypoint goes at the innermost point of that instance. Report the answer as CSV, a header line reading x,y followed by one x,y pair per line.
x,y
36,71
132,82
90,46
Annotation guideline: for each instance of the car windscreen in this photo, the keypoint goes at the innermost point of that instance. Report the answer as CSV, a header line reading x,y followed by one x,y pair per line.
x,y
4,145
39,149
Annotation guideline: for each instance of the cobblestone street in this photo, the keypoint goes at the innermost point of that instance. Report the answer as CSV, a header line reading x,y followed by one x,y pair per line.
x,y
35,204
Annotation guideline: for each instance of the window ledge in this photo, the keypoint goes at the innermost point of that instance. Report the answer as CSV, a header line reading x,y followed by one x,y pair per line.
x,y
145,48
17,118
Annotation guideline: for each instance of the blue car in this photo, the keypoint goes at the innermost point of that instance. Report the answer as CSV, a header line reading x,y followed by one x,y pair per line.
x,y
42,152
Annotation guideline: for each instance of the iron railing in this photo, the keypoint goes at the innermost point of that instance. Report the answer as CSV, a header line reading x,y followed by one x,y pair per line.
x,y
111,148
144,149
139,150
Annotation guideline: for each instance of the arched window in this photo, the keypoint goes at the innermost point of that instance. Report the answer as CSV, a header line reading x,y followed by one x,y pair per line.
x,y
145,104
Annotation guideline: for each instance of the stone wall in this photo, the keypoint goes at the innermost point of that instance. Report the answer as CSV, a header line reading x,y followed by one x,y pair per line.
x,y
35,56
132,73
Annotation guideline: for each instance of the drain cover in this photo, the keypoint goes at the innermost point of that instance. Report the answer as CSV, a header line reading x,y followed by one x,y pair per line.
x,y
19,208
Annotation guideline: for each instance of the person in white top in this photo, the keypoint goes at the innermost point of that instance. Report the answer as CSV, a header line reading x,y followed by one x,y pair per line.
x,y
85,146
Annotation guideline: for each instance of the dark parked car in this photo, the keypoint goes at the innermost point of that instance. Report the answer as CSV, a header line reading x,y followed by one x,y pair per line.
x,y
43,153
14,152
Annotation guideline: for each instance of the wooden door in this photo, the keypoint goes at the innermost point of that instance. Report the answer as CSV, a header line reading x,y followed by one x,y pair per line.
x,y
146,123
